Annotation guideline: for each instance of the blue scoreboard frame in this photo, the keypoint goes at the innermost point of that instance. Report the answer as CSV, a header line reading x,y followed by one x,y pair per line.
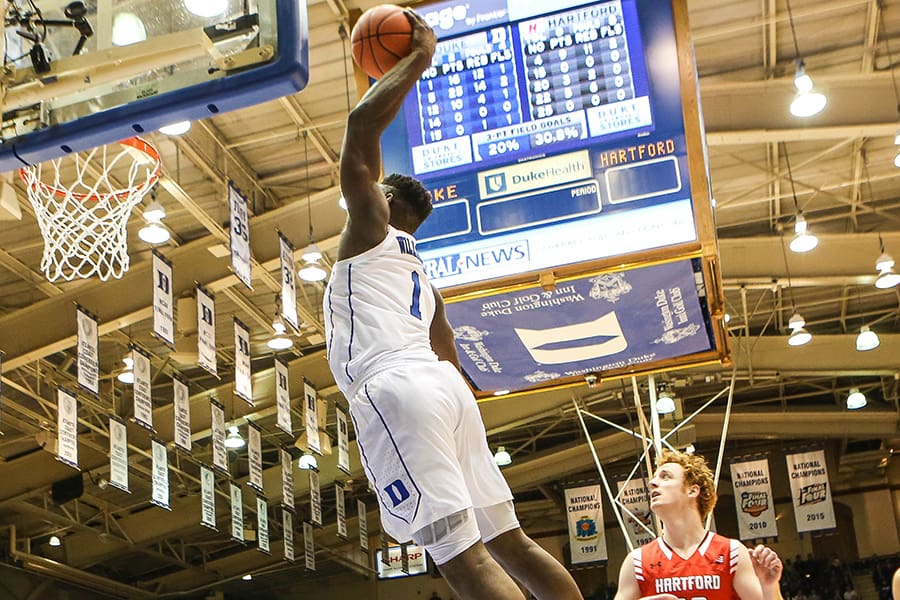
x,y
561,139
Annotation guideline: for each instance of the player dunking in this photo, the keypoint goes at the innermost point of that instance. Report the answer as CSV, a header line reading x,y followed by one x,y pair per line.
x,y
688,561
392,354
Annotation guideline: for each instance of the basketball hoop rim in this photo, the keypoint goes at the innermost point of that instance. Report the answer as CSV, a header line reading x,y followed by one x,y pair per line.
x,y
137,143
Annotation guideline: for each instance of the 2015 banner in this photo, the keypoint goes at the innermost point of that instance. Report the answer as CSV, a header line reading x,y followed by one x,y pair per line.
x,y
808,474
584,512
753,499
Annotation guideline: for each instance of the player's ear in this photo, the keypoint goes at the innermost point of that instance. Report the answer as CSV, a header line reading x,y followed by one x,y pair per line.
x,y
693,491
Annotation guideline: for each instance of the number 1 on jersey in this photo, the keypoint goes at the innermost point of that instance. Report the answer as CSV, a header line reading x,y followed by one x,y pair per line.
x,y
414,308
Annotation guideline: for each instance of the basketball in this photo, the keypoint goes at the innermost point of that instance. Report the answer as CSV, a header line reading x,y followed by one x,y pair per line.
x,y
381,37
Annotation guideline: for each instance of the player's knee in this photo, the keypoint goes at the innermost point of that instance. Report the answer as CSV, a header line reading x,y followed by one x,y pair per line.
x,y
449,537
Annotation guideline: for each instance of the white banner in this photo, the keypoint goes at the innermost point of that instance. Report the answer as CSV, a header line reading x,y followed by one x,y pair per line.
x,y
287,479
217,428
343,440
309,546
288,286
808,474
262,524
163,303
88,351
287,526
753,499
118,454
206,331
341,510
160,479
243,385
240,237
584,509
283,397
254,457
207,498
143,403
363,525
311,413
181,408
636,498
237,513
315,499
67,428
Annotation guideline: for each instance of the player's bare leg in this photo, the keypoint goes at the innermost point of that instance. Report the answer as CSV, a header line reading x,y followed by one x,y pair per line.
x,y
542,574
474,575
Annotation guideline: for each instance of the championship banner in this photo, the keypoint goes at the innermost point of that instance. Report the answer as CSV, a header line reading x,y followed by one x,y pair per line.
x,y
363,525
312,419
208,498
243,385
309,546
217,428
287,479
584,509
315,498
283,397
163,303
262,524
808,474
143,403
287,525
206,331
753,499
118,453
384,551
88,351
288,283
254,457
181,410
343,441
160,479
241,261
635,497
237,513
67,428
341,510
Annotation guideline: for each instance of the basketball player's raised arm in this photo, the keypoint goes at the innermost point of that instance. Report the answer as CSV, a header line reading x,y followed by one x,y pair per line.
x,y
442,333
361,153
746,584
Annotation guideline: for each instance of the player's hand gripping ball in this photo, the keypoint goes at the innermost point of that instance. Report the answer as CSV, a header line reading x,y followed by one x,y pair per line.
x,y
382,36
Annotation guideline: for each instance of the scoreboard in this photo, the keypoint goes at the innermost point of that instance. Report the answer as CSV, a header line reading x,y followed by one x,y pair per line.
x,y
547,135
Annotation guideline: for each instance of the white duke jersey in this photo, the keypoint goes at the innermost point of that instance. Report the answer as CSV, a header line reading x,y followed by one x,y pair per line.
x,y
378,308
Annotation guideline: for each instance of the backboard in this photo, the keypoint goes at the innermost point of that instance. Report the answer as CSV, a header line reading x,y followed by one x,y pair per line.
x,y
81,74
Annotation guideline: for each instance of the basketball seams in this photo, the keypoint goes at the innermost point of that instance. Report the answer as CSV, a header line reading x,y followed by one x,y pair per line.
x,y
380,39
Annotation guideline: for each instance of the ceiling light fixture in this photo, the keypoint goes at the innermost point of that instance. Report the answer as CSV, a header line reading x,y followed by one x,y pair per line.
x,y
665,403
803,240
247,577
127,29
799,335
127,376
154,232
502,457
206,8
179,128
311,270
867,339
887,277
233,440
280,341
807,102
307,461
55,541
856,399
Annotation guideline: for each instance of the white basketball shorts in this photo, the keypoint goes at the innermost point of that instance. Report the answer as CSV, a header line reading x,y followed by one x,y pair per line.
x,y
424,447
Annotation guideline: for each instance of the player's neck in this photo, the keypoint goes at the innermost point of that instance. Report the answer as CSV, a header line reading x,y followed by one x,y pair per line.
x,y
683,531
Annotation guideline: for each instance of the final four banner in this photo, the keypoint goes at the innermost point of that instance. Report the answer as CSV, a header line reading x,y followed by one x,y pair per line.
x,y
241,259
143,402
343,440
163,303
311,413
217,428
262,524
753,499
584,509
283,397
635,497
287,526
206,330
208,498
243,385
254,457
287,479
67,427
808,474
88,351
288,283
118,453
182,412
593,324
160,481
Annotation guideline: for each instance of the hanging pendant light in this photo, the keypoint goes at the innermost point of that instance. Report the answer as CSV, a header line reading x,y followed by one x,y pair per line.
x,y
233,440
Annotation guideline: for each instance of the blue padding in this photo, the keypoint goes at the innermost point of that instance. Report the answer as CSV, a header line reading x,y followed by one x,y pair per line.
x,y
288,74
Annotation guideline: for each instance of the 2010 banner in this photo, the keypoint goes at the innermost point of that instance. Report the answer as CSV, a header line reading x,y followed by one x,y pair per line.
x,y
753,499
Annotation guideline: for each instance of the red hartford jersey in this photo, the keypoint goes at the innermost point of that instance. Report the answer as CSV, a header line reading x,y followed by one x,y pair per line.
x,y
705,575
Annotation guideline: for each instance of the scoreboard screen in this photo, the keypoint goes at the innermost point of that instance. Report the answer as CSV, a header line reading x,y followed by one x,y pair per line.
x,y
549,132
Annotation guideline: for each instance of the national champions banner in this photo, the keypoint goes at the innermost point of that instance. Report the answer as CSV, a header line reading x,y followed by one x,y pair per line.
x,y
635,497
810,492
753,499
584,510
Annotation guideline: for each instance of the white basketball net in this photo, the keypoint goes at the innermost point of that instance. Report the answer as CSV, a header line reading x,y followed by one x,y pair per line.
x,y
84,222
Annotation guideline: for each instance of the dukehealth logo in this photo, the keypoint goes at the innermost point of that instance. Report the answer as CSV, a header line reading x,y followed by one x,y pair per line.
x,y
439,267
535,175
